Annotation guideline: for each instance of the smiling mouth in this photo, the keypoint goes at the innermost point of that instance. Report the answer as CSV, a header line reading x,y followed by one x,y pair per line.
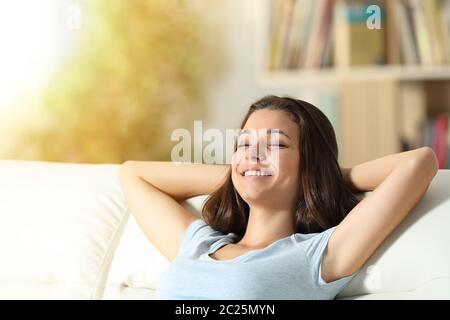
x,y
256,173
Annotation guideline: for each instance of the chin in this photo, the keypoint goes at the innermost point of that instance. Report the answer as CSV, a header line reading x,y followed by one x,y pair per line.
x,y
253,196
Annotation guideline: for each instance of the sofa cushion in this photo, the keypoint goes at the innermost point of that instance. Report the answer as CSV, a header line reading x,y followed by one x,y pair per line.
x,y
137,264
60,225
414,260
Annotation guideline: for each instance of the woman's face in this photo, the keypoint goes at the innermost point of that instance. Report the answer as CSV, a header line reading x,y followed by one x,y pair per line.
x,y
265,166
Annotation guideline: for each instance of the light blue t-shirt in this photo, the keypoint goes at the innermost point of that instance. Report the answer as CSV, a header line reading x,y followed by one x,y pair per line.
x,y
289,268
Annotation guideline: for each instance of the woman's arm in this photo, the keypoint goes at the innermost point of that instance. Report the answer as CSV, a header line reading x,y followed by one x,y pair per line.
x,y
153,191
369,175
179,181
399,182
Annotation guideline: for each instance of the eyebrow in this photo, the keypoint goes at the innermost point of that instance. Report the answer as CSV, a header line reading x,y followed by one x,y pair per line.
x,y
270,131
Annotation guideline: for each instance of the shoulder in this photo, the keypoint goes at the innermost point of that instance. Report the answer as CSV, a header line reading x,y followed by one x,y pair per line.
x,y
320,258
200,234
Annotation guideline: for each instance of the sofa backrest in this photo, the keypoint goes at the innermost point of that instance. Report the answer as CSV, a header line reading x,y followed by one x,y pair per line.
x,y
67,232
414,259
60,224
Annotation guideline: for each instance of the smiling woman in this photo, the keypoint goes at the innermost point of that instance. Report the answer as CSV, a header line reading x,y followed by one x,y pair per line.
x,y
303,155
280,222
268,218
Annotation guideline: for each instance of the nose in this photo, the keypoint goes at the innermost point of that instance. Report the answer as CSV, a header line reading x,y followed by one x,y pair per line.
x,y
257,153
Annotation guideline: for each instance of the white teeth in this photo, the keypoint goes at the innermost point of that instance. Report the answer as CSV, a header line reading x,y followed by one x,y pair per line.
x,y
256,173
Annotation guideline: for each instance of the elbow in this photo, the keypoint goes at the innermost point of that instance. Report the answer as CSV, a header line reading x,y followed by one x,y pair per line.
x,y
125,169
425,161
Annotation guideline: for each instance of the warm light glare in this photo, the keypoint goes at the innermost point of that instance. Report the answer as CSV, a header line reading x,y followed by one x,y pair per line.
x,y
34,37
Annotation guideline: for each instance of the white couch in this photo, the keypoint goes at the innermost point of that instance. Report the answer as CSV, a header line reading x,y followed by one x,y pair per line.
x,y
66,233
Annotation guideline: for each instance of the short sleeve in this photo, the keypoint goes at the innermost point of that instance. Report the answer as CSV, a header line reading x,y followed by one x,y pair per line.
x,y
196,234
315,247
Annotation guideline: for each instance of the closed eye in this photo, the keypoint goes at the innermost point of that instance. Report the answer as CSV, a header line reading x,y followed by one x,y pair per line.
x,y
271,145
278,145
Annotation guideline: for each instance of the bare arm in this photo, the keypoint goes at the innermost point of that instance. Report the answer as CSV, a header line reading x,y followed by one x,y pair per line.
x,y
153,191
369,175
179,181
400,182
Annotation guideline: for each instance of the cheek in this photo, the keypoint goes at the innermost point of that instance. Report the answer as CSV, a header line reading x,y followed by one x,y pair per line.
x,y
288,169
234,179
237,158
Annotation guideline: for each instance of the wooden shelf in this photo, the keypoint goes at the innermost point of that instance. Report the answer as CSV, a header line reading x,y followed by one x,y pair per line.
x,y
396,72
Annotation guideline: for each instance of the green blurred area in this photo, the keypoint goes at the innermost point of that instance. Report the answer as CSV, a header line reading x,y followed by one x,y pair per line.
x,y
140,70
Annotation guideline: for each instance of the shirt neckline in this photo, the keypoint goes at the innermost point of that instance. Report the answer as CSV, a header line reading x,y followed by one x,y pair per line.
x,y
222,242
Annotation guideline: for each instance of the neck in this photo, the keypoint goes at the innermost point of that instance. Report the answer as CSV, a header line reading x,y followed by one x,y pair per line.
x,y
266,225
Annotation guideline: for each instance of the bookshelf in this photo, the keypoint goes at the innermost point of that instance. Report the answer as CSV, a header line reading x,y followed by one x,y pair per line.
x,y
401,73
392,85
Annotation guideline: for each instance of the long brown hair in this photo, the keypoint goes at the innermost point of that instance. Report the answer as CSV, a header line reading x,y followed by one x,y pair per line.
x,y
324,200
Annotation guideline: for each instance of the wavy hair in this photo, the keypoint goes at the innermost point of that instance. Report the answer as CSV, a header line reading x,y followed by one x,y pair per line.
x,y
324,200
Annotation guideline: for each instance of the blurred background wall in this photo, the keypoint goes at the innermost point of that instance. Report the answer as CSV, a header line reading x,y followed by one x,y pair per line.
x,y
103,80
109,80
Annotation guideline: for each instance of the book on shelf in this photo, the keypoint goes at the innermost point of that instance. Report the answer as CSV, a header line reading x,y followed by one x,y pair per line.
x,y
393,54
434,133
322,33
402,26
355,43
439,140
319,34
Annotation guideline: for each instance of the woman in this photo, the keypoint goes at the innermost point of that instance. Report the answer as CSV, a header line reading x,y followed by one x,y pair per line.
x,y
282,221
